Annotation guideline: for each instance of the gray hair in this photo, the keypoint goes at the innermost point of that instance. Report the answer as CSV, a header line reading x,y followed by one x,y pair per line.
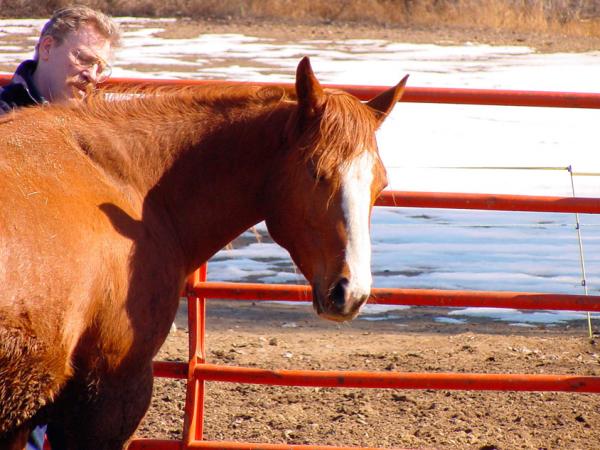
x,y
71,18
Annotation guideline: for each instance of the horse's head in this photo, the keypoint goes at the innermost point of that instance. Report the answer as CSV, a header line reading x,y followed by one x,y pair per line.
x,y
326,190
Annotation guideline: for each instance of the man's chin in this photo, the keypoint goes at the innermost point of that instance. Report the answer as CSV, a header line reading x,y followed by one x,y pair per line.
x,y
79,92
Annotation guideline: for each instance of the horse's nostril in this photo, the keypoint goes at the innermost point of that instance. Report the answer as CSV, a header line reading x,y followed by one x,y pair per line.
x,y
338,293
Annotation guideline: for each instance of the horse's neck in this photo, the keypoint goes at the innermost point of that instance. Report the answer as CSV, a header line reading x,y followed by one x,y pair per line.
x,y
206,172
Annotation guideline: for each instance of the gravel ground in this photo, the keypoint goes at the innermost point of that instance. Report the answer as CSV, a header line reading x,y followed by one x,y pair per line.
x,y
282,337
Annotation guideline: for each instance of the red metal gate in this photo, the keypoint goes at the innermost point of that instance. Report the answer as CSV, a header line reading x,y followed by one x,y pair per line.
x,y
197,371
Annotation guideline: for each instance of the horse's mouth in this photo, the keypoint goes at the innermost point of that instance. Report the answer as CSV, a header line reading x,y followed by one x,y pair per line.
x,y
328,307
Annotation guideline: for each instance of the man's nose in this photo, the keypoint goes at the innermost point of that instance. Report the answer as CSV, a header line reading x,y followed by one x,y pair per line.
x,y
91,73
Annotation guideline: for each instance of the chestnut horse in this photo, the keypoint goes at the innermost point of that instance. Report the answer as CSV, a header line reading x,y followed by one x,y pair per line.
x,y
108,205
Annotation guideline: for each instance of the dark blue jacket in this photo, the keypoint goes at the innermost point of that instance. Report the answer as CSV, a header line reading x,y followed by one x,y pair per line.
x,y
20,91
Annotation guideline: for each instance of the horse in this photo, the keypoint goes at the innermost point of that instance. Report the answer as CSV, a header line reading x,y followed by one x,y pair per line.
x,y
109,204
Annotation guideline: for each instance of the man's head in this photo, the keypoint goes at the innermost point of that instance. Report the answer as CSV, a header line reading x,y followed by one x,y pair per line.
x,y
73,52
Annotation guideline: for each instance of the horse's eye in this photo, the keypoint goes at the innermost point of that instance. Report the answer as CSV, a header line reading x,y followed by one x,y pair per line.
x,y
312,170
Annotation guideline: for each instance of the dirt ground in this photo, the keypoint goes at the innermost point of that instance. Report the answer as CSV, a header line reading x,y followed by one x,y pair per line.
x,y
277,336
283,337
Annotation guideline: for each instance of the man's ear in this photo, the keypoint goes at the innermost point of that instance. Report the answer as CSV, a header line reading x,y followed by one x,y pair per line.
x,y
43,48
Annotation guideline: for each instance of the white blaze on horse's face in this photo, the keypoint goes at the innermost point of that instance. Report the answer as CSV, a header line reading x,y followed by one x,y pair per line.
x,y
361,180
357,180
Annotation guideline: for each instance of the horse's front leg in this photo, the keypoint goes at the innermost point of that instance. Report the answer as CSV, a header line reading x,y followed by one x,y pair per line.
x,y
107,419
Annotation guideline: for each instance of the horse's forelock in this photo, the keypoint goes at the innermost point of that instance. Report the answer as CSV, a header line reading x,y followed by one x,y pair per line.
x,y
345,130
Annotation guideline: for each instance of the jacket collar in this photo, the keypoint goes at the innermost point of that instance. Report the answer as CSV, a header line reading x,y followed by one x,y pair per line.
x,y
23,77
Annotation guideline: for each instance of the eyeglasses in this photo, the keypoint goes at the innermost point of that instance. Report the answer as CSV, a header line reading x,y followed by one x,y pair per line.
x,y
88,61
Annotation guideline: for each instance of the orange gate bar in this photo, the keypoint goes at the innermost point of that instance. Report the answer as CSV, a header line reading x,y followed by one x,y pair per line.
x,y
151,444
418,94
500,97
228,445
399,380
490,202
383,380
417,297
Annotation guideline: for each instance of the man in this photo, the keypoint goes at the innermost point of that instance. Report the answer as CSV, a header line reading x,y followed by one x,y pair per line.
x,y
70,59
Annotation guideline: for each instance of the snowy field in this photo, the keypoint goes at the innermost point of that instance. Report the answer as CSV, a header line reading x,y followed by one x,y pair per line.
x,y
422,145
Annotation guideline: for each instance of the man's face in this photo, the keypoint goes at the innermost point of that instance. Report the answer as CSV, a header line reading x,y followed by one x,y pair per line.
x,y
67,70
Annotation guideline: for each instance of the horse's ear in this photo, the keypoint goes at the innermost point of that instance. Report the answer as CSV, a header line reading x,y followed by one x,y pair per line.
x,y
308,90
385,102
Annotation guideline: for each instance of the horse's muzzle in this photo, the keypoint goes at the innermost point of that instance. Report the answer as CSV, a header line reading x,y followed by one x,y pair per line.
x,y
340,303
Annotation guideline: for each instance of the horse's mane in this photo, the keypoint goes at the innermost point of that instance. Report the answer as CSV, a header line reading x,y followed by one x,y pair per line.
x,y
124,103
344,128
152,123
